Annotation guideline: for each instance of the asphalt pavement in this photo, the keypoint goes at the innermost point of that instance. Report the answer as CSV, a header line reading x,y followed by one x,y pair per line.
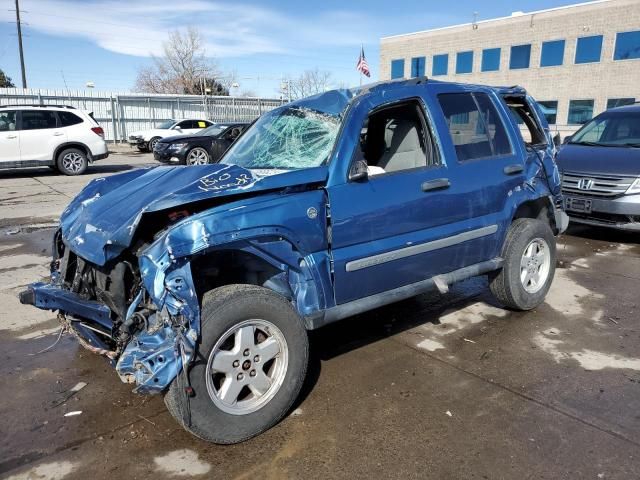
x,y
440,386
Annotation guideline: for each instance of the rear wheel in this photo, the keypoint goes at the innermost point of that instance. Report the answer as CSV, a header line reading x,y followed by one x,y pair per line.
x,y
529,255
251,365
197,156
72,161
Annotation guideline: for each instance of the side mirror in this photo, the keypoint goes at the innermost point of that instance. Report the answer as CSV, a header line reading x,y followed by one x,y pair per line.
x,y
567,139
359,171
177,128
557,140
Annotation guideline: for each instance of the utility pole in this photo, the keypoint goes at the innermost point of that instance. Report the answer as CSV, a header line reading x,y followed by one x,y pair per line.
x,y
24,75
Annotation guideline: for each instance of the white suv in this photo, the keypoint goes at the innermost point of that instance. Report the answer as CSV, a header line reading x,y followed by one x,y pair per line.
x,y
145,140
60,137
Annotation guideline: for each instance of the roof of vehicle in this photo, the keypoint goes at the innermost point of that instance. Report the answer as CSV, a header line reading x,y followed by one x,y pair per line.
x,y
26,106
634,107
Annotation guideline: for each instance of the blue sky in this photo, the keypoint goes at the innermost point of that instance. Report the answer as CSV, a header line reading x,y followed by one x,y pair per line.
x,y
106,41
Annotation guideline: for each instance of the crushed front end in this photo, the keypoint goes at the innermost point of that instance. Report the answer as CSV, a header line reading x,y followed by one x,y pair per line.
x,y
111,313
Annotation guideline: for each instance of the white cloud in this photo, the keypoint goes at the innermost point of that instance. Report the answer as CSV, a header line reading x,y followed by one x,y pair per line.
x,y
230,29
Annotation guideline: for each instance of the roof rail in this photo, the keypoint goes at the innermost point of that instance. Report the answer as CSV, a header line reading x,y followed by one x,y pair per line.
x,y
37,105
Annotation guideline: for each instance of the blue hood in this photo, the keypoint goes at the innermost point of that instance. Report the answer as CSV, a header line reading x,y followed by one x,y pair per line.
x,y
603,160
101,221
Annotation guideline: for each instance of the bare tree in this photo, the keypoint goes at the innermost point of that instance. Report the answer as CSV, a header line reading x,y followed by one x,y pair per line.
x,y
308,83
183,68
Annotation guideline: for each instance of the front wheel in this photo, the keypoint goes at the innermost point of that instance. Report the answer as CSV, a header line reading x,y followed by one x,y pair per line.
x,y
152,143
529,254
197,156
251,365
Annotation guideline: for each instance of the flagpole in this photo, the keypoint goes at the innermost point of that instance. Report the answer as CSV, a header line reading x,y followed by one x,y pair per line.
x,y
360,70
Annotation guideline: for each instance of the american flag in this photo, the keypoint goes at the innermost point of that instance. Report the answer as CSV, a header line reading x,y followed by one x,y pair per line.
x,y
362,65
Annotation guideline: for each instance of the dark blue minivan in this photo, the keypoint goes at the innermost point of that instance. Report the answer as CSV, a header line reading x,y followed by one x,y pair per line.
x,y
600,165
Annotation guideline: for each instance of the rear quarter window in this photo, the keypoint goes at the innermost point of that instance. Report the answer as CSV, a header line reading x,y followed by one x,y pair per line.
x,y
67,119
476,129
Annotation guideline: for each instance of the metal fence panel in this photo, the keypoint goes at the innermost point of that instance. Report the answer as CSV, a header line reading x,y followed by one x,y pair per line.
x,y
120,113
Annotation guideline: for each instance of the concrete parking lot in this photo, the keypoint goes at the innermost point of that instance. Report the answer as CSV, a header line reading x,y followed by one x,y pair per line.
x,y
434,387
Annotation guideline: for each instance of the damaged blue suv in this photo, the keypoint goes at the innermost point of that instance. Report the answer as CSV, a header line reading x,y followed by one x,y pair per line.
x,y
201,283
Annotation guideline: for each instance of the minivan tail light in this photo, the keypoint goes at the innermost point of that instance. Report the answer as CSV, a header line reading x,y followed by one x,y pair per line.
x,y
98,131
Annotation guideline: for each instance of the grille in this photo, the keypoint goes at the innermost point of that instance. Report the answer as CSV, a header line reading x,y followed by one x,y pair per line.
x,y
595,185
161,146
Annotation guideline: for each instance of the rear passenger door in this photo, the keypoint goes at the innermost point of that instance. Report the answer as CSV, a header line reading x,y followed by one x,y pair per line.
x,y
40,134
477,137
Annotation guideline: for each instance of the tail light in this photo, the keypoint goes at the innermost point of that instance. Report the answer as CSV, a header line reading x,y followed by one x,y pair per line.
x,y
98,131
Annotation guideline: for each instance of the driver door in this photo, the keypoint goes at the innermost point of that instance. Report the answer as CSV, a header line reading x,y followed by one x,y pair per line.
x,y
387,229
9,137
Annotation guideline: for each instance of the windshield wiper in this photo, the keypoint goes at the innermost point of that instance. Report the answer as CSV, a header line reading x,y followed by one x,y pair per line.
x,y
589,144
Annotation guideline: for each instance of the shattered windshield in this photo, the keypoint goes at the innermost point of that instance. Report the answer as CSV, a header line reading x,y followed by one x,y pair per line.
x,y
297,135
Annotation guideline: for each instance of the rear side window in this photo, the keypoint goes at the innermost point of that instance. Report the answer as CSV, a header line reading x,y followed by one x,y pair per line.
x,y
67,119
38,119
476,129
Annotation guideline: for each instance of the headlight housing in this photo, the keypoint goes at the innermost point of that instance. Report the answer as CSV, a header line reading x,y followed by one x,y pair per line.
x,y
177,146
634,187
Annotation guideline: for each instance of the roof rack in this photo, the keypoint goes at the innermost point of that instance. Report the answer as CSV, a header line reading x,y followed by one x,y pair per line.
x,y
37,105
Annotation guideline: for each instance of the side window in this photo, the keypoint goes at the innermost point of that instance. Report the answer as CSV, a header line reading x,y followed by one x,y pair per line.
x,y
396,138
186,124
67,119
38,119
475,126
200,124
7,120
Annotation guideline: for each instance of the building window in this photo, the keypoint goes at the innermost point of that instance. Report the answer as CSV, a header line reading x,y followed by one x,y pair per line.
x,y
464,62
580,111
440,64
589,49
417,67
552,53
520,57
627,46
550,110
619,102
475,126
490,60
397,68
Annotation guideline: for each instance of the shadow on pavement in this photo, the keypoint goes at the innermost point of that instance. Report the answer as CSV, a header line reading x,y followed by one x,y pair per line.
x,y
604,234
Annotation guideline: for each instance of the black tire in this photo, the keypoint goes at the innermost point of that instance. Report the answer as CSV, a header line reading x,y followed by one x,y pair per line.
x,y
507,284
152,143
141,148
72,161
222,309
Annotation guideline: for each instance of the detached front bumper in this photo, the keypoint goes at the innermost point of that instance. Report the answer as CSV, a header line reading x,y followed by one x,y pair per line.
x,y
47,296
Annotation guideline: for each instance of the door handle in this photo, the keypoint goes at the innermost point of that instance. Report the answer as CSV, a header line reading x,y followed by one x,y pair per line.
x,y
513,169
12,136
437,184
58,134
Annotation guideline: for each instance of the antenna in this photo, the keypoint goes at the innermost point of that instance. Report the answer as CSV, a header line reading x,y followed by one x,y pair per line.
x,y
475,20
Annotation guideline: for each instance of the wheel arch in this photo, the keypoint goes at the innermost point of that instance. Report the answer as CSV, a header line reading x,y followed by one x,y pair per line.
x,y
74,144
541,208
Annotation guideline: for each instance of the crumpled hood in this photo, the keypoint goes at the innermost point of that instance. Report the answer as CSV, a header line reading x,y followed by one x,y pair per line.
x,y
604,160
100,222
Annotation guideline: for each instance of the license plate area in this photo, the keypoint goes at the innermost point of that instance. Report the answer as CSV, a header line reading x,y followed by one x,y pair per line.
x,y
575,204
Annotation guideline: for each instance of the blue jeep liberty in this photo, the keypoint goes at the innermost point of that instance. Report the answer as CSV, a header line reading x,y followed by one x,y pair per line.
x,y
201,283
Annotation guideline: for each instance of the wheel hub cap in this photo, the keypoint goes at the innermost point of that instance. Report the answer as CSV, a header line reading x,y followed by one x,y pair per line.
x,y
535,265
72,162
247,366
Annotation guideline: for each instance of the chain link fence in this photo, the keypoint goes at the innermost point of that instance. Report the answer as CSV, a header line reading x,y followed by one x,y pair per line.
x,y
119,114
